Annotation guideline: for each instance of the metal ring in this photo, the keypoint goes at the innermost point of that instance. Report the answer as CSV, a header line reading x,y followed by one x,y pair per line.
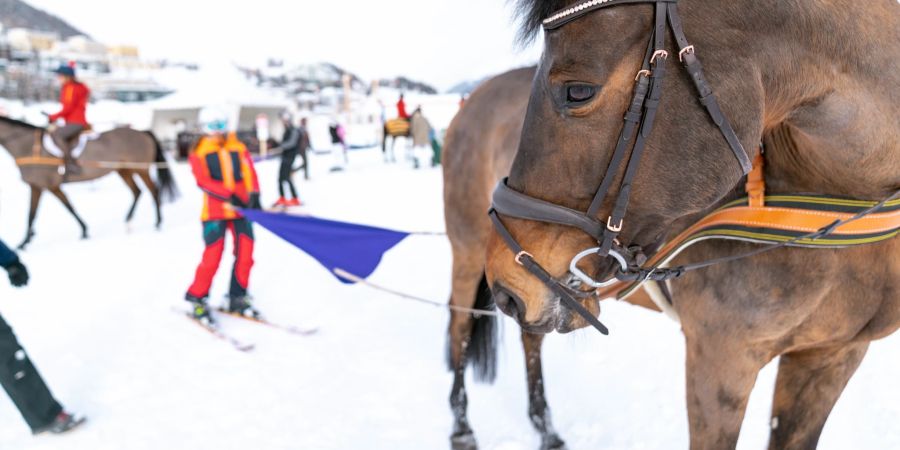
x,y
520,255
644,72
688,49
659,54
585,278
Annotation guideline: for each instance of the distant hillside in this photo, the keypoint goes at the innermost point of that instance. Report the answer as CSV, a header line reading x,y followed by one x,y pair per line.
x,y
18,14
407,85
466,87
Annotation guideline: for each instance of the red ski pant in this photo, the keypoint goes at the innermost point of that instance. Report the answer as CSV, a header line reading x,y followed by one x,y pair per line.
x,y
214,236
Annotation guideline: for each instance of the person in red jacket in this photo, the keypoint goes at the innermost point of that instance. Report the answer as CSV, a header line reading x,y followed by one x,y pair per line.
x,y
401,109
224,171
73,96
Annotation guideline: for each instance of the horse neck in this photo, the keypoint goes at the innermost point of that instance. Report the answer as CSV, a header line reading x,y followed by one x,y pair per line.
x,y
829,104
18,140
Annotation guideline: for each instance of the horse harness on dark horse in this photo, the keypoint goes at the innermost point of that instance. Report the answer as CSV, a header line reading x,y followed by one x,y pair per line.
x,y
638,118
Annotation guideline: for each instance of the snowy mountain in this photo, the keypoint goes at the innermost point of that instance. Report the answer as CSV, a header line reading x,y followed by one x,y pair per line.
x,y
18,14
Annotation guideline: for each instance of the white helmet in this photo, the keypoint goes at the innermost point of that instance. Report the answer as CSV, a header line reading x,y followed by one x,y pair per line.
x,y
213,120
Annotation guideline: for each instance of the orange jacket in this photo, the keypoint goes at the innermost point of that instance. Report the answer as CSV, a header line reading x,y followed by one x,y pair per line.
x,y
223,168
74,97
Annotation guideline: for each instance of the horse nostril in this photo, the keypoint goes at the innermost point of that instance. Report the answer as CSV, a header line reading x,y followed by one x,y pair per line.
x,y
509,304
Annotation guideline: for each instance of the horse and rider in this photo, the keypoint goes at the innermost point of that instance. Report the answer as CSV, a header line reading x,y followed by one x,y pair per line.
x,y
46,156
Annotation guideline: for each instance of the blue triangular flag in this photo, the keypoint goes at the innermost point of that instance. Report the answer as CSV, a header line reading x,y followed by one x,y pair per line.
x,y
354,248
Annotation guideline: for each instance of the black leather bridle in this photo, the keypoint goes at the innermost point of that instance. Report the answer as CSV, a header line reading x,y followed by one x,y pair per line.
x,y
639,119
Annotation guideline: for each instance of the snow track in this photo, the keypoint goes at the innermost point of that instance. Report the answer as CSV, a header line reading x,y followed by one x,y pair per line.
x,y
97,321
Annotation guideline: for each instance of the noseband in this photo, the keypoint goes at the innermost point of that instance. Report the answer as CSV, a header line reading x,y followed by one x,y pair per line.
x,y
639,119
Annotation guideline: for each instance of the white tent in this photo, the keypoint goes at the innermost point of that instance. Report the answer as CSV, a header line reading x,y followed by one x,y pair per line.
x,y
224,88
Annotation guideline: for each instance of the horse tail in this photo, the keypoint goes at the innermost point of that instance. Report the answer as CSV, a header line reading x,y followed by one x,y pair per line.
x,y
481,351
165,182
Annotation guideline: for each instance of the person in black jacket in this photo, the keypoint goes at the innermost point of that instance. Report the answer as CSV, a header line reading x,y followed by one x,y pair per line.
x,y
19,377
296,139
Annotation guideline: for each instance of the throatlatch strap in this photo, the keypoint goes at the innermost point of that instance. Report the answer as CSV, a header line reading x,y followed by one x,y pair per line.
x,y
706,96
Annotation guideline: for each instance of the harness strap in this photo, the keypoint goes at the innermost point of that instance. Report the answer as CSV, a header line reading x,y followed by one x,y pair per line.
x,y
651,105
707,98
756,182
811,228
632,119
566,295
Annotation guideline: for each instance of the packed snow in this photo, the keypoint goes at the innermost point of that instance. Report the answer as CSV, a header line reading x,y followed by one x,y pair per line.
x,y
98,321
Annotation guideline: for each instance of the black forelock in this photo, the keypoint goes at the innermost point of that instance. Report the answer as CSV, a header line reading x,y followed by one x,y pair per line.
x,y
531,15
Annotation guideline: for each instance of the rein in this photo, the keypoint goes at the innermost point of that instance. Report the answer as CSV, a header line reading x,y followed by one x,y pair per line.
x,y
635,268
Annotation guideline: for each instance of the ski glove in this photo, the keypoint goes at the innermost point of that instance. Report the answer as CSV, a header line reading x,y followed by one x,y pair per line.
x,y
18,274
254,201
236,201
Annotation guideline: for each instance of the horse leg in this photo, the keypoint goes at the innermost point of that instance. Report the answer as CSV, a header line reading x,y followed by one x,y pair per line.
x,y
538,410
32,213
808,385
128,178
154,192
393,153
721,373
58,193
467,277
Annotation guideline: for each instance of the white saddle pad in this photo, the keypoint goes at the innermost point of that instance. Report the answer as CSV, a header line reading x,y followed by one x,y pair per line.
x,y
83,139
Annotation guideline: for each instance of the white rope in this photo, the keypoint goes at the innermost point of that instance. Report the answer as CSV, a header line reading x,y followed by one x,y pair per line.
x,y
356,279
126,165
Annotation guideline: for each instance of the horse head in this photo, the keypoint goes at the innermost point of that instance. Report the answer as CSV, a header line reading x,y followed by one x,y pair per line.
x,y
595,61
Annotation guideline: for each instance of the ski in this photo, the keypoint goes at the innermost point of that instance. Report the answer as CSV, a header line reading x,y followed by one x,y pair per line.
x,y
290,329
219,334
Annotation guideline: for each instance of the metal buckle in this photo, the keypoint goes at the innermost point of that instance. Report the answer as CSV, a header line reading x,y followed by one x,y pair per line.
x,y
614,228
659,54
644,72
688,49
574,270
520,255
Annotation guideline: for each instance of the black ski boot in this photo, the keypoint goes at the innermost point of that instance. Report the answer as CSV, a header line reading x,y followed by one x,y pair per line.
x,y
200,310
240,305
64,422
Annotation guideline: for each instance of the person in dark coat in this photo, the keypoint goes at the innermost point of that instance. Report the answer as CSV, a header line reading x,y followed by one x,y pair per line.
x,y
19,377
296,139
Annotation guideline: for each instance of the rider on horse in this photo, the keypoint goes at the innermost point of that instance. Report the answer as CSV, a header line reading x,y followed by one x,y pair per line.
x,y
73,96
401,109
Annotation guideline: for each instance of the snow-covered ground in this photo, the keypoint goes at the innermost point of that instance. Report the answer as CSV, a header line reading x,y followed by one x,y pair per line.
x,y
97,319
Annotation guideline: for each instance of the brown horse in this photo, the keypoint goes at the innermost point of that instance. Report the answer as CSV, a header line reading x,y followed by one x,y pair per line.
x,y
480,145
125,151
393,129
807,78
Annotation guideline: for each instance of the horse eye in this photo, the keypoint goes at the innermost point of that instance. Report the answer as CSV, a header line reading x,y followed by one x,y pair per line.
x,y
580,93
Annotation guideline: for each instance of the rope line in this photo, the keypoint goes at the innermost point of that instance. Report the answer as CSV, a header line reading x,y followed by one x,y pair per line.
x,y
47,161
356,279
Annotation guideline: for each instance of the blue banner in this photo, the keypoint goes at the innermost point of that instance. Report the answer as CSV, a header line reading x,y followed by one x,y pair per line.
x,y
357,249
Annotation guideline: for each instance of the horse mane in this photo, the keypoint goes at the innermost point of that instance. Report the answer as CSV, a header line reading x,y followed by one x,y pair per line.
x,y
11,121
531,15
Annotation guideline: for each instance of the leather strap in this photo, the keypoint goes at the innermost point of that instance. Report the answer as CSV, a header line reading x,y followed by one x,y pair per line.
x,y
756,182
706,96
586,7
515,204
566,295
